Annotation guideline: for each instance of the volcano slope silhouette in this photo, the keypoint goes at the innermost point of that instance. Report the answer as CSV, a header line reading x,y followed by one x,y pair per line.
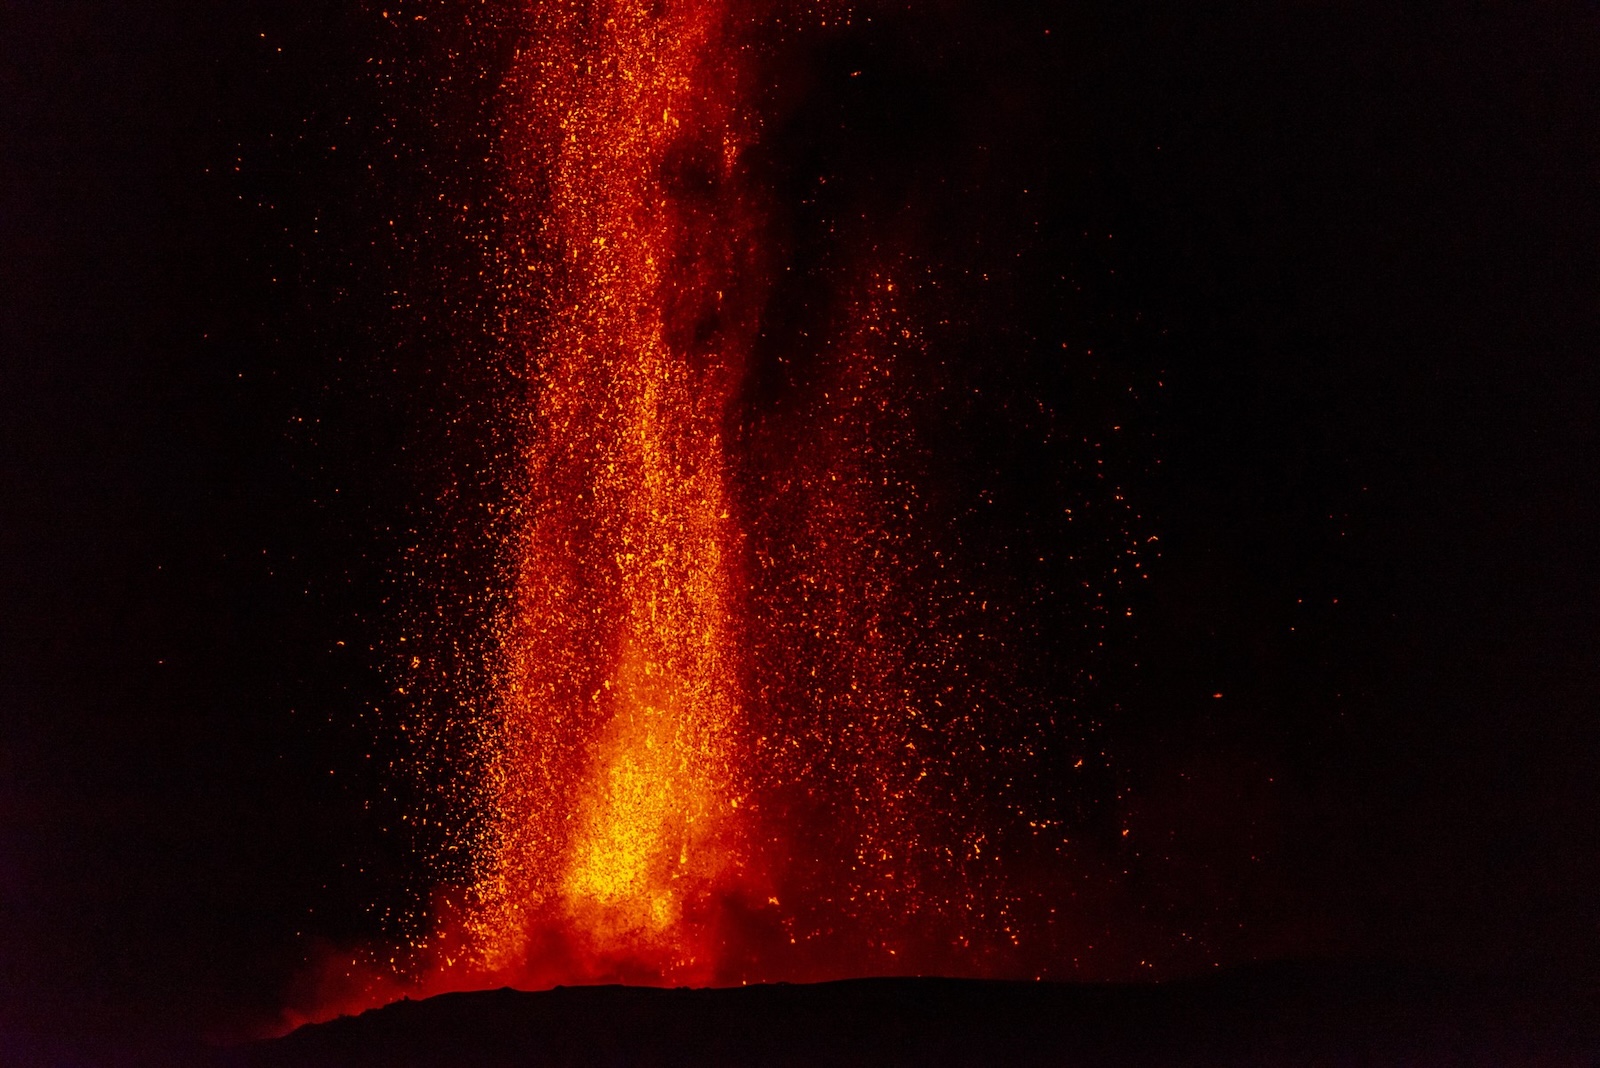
x,y
1281,1015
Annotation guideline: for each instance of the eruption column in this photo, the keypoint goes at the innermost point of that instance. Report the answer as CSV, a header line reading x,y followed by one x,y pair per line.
x,y
615,769
780,690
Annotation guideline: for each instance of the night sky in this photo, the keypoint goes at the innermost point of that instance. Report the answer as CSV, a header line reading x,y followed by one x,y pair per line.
x,y
1332,268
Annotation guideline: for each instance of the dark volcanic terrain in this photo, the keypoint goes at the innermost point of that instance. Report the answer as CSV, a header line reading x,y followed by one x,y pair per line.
x,y
1269,1017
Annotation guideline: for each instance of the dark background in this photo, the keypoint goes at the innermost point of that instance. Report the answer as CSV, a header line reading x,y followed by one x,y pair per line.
x,y
237,319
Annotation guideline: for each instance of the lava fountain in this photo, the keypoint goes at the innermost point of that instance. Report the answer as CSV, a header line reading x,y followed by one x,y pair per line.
x,y
618,760
772,698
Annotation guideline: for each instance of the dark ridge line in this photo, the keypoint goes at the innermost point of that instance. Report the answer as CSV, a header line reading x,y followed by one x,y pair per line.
x,y
1267,1015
